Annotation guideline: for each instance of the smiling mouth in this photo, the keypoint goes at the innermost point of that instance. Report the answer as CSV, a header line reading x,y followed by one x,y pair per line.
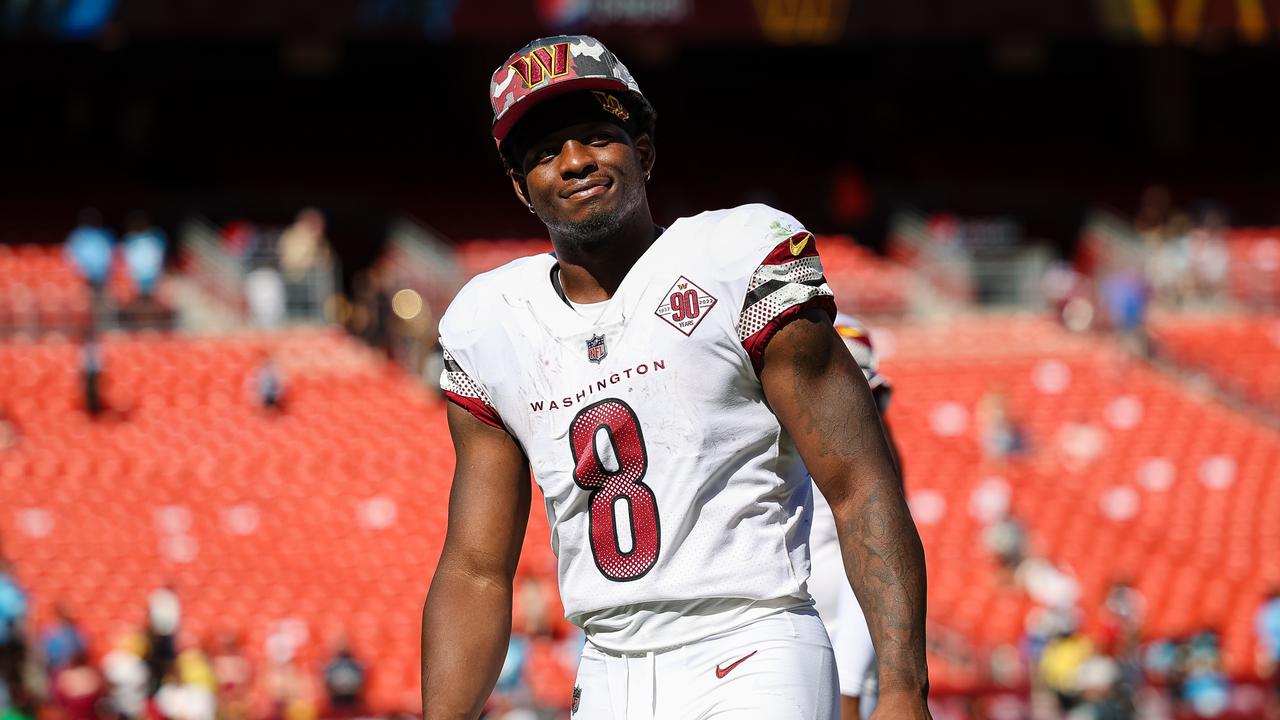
x,y
589,191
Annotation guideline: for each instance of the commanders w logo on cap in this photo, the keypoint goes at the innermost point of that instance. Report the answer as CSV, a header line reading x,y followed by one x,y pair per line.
x,y
550,67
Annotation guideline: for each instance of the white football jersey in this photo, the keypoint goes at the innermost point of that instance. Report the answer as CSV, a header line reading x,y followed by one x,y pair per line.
x,y
678,505
858,341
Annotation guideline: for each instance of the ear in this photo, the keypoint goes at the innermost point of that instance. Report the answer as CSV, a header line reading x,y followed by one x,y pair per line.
x,y
644,146
518,186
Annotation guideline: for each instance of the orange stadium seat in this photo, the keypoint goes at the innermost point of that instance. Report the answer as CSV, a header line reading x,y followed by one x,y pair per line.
x,y
1240,352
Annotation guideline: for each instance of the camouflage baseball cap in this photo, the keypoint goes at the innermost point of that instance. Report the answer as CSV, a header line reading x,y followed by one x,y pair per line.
x,y
550,67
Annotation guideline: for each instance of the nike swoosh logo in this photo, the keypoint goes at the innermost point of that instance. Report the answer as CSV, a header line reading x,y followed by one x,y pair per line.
x,y
798,247
721,672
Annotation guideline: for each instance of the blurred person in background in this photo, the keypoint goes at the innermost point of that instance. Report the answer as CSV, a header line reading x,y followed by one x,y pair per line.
x,y
239,238
302,248
371,311
61,640
264,294
78,690
1097,682
1266,628
234,676
90,247
164,615
287,692
8,431
344,682
13,642
187,692
91,368
127,676
1006,538
1210,257
269,384
144,249
178,699
1061,660
1002,437
1206,691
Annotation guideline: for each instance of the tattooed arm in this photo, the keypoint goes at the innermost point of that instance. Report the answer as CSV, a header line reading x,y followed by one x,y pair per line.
x,y
821,397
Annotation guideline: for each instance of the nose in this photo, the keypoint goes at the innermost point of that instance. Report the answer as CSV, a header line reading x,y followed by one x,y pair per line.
x,y
576,159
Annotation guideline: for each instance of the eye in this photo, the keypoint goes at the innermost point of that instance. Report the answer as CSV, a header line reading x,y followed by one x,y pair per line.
x,y
600,139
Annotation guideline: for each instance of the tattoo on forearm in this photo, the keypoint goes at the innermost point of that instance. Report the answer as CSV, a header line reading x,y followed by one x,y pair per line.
x,y
882,551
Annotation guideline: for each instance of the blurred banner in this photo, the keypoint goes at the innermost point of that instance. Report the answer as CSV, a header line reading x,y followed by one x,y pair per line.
x,y
708,21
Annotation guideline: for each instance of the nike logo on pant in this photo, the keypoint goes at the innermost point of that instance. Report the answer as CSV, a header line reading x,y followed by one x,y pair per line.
x,y
721,672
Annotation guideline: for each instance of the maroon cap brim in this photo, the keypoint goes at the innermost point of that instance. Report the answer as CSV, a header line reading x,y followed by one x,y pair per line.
x,y
502,128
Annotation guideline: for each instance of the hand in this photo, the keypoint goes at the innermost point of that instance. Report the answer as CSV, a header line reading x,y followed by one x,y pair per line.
x,y
902,706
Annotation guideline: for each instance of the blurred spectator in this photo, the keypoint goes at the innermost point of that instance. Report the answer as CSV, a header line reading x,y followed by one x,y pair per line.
x,y
371,314
1122,620
1124,295
286,690
1002,437
187,692
1266,627
127,675
1210,257
89,247
234,676
178,699
144,247
78,690
1205,689
8,432
91,367
1060,663
344,682
239,238
1168,253
303,244
1097,684
1007,540
302,248
164,614
511,691
62,640
13,646
264,293
269,384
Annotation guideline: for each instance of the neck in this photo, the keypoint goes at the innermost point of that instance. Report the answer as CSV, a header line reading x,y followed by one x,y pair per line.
x,y
592,273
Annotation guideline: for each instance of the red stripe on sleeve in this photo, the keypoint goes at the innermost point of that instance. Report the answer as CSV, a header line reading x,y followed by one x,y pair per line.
x,y
482,412
756,344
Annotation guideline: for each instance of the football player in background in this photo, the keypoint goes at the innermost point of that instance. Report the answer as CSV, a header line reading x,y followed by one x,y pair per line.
x,y
668,387
828,582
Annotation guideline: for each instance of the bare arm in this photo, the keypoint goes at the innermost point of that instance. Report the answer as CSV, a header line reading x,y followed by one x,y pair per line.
x,y
821,397
466,624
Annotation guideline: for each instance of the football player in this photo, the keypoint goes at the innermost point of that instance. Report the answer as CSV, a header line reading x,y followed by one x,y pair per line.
x,y
668,387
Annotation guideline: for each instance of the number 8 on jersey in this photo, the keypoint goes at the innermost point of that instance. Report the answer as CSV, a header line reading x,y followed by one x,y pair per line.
x,y
610,461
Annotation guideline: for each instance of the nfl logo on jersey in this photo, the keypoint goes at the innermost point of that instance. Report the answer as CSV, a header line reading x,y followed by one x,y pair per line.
x,y
595,349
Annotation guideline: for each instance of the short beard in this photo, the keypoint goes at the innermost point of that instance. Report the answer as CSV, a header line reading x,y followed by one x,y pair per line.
x,y
600,227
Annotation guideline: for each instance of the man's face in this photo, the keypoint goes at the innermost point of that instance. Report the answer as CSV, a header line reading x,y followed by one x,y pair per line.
x,y
585,180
